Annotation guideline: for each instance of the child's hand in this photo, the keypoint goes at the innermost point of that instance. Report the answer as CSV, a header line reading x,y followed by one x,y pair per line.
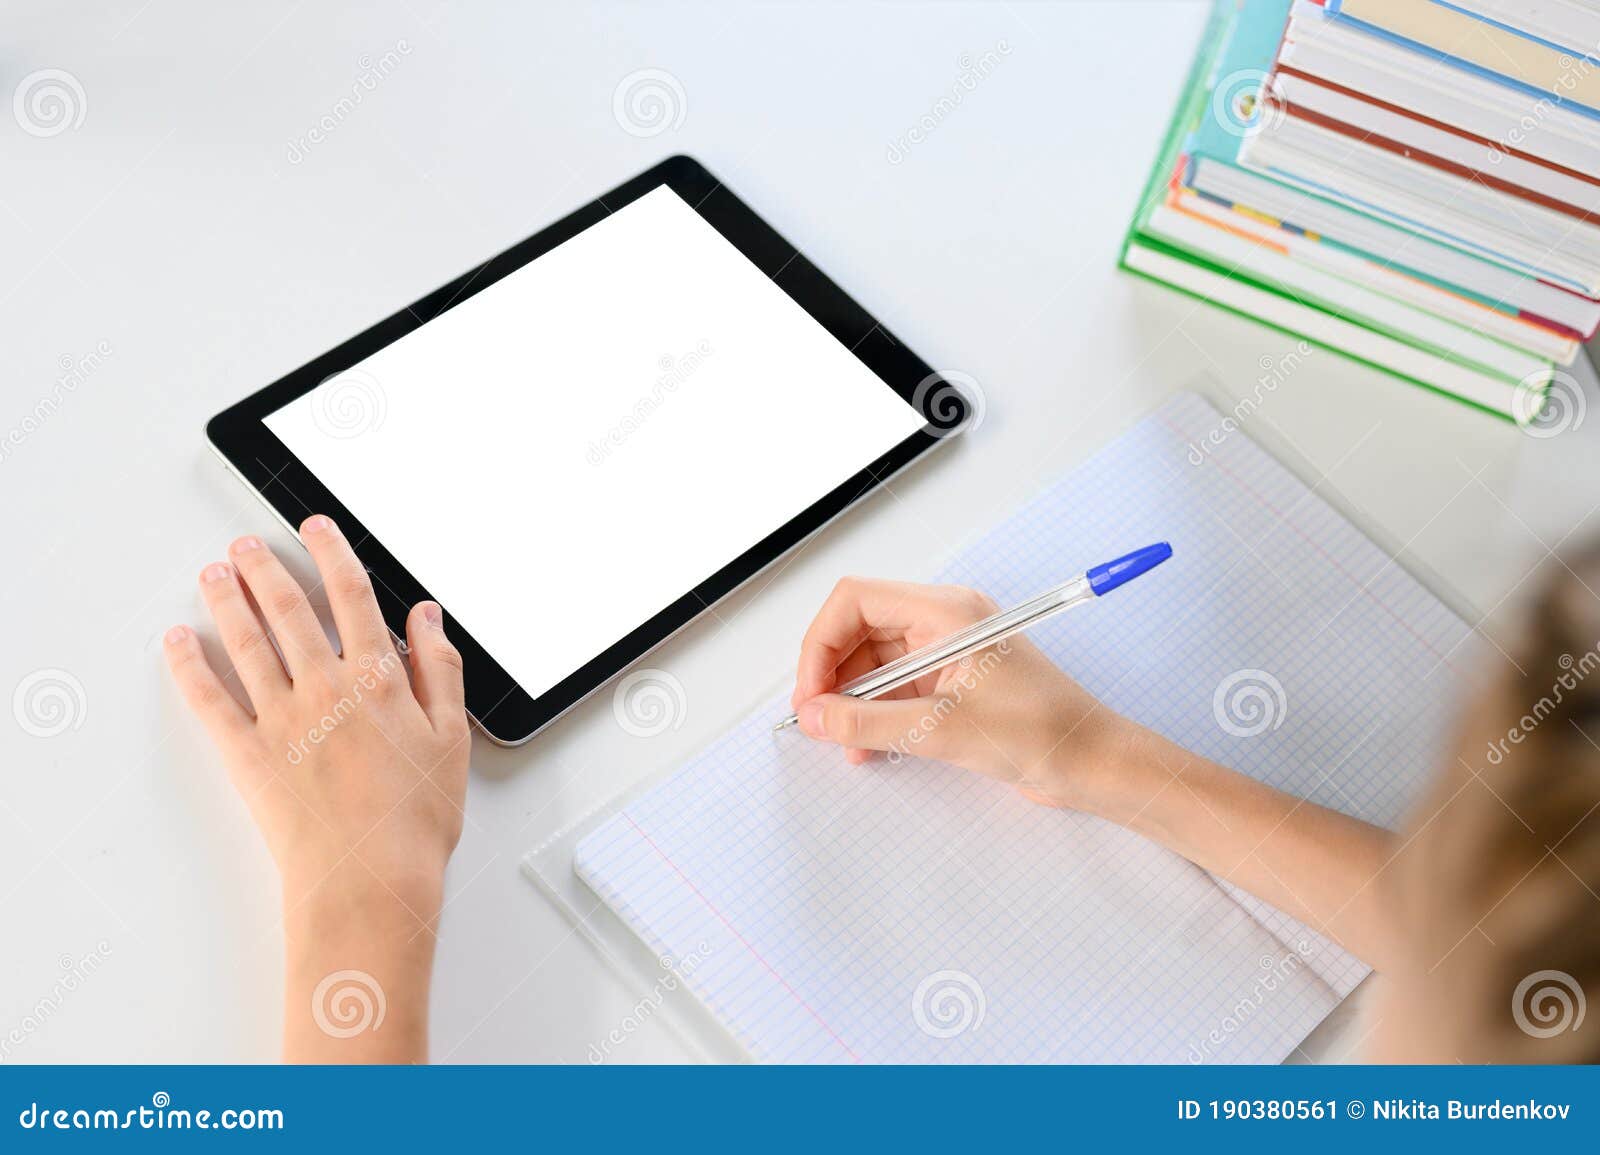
x,y
1013,715
1006,711
354,772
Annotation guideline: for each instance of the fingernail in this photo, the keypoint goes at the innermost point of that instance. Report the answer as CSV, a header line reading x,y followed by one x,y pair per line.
x,y
810,716
216,572
316,523
176,634
433,613
246,544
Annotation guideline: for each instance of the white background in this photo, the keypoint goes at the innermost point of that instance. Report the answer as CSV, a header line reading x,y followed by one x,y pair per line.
x,y
562,456
172,225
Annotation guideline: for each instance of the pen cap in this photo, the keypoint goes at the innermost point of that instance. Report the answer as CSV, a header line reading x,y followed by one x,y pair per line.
x,y
1105,578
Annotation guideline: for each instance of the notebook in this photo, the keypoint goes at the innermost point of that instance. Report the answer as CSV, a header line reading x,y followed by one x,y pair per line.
x,y
919,913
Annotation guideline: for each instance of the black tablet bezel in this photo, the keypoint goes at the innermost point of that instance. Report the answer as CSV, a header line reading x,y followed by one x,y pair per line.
x,y
505,711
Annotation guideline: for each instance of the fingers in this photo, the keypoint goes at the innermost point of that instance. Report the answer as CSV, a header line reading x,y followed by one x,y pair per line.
x,y
217,709
1042,798
243,635
884,724
284,606
856,611
863,659
862,625
435,668
860,610
350,596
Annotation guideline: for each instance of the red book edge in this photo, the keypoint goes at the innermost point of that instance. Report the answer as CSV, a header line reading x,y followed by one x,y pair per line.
x,y
1407,152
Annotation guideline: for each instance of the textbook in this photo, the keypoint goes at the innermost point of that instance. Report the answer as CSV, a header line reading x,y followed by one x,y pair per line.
x,y
1341,54
1435,149
1294,187
1502,48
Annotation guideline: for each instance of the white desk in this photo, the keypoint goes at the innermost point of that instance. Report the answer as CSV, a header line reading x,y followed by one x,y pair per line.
x,y
177,226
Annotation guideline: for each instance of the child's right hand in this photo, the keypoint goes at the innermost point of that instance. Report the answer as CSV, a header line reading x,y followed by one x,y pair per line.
x,y
1007,711
1013,715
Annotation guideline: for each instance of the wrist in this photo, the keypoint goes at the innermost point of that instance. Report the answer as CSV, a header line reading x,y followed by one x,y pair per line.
x,y
1105,769
355,898
358,965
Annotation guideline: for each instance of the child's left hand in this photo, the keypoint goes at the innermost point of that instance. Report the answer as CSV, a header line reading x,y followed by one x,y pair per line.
x,y
355,773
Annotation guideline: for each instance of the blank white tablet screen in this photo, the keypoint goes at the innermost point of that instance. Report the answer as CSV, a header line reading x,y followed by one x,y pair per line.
x,y
563,455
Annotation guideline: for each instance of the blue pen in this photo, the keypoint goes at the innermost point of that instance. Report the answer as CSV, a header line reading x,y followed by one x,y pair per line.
x,y
1096,583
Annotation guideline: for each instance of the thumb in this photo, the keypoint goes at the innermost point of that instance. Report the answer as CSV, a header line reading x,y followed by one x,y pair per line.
x,y
435,666
886,724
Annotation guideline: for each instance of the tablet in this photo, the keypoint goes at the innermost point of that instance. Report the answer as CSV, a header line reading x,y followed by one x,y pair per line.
x,y
582,443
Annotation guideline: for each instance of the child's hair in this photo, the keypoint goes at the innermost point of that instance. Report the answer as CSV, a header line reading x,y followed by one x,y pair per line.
x,y
1499,881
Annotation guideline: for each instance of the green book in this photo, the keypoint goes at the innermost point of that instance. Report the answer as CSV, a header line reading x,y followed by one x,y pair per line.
x,y
1331,302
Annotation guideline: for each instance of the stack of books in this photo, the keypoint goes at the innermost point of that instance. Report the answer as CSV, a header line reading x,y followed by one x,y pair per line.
x,y
1415,183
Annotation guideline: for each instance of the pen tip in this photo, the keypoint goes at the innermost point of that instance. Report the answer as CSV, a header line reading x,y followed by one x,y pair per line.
x,y
783,725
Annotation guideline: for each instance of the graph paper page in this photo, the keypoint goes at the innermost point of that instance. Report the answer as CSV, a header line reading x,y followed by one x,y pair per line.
x,y
918,913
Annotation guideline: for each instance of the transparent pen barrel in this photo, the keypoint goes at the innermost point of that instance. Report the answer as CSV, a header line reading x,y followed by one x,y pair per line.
x,y
978,636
